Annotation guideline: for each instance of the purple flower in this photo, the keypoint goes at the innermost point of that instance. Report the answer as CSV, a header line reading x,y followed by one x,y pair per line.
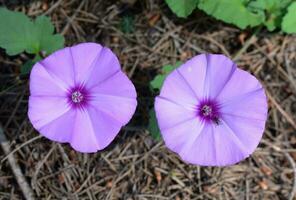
x,y
80,95
210,112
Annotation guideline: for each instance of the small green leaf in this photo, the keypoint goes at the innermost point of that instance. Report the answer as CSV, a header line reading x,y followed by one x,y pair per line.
x,y
153,126
127,24
182,8
18,33
157,82
27,67
289,20
231,11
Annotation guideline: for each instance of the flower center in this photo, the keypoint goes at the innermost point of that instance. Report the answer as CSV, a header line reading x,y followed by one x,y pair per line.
x,y
208,111
77,97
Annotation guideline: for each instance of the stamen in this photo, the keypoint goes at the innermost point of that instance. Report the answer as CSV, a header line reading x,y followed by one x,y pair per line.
x,y
77,97
206,110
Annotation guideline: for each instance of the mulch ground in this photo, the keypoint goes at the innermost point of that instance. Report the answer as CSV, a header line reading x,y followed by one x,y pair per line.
x,y
146,36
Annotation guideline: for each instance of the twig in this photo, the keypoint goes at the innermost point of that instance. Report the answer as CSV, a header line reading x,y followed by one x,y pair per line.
x,y
18,148
21,180
65,29
54,6
281,110
249,42
290,159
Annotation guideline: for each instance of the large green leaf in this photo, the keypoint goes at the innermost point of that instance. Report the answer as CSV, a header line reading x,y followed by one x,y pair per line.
x,y
182,8
272,11
231,11
289,20
15,32
19,33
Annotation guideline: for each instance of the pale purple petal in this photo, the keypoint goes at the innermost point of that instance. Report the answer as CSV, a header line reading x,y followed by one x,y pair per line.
x,y
61,128
85,57
219,70
43,110
60,66
195,75
105,126
105,66
172,113
182,94
116,85
42,83
84,138
119,108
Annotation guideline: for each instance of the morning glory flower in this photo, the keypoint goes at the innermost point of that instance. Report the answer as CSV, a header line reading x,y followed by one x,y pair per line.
x,y
210,112
80,95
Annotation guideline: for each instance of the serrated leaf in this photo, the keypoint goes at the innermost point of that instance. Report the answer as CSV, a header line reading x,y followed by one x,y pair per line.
x,y
231,11
153,126
19,33
157,82
289,20
182,8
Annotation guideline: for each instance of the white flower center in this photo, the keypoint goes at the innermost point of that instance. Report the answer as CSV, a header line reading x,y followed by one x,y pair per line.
x,y
206,110
77,97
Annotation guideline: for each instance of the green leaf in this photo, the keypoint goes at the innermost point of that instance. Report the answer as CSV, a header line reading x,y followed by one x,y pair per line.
x,y
18,33
48,41
153,126
127,24
15,31
272,11
27,67
182,8
289,20
157,82
231,11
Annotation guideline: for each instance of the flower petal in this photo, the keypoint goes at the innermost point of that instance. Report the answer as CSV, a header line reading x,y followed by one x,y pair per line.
x,y
61,128
219,71
170,113
43,110
251,105
105,126
200,149
84,56
43,84
117,85
229,148
175,87
194,72
84,138
60,66
104,67
119,108
179,138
